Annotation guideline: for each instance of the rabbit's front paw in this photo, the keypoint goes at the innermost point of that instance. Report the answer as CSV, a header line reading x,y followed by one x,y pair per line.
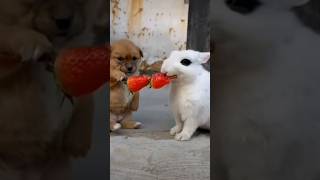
x,y
175,130
183,136
32,46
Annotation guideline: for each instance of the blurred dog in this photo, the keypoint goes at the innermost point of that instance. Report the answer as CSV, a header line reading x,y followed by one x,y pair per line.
x,y
37,129
125,59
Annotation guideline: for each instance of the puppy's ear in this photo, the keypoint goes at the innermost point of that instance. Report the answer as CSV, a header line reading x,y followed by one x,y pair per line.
x,y
140,51
204,57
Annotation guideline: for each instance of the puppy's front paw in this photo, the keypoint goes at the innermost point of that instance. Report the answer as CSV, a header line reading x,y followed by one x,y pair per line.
x,y
182,136
115,127
31,46
137,125
120,76
131,124
175,130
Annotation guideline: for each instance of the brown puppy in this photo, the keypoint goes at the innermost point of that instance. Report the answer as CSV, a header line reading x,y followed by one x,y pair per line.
x,y
125,58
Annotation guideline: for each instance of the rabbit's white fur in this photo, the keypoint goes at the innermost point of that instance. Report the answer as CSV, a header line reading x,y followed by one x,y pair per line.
x,y
190,92
267,87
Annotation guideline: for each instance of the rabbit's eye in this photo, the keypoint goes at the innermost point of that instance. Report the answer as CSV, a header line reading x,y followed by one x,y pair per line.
x,y
185,62
243,6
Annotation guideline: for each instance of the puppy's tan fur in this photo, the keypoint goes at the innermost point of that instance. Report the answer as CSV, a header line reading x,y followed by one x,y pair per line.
x,y
122,102
36,130
154,67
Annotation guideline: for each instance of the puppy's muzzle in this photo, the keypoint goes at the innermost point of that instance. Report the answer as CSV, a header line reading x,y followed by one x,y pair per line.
x,y
131,68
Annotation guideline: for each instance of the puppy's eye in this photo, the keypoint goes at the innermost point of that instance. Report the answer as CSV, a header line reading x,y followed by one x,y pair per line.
x,y
134,58
185,62
243,6
120,58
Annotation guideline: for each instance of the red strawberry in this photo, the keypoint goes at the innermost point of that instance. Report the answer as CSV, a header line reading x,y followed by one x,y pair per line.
x,y
160,80
81,71
136,83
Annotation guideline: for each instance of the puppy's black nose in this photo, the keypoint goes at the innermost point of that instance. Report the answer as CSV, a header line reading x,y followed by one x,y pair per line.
x,y
63,23
130,69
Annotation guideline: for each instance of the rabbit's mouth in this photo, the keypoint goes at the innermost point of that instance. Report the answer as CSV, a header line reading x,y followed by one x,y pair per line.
x,y
172,76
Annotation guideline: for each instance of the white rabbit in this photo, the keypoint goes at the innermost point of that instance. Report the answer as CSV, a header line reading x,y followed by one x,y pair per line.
x,y
190,91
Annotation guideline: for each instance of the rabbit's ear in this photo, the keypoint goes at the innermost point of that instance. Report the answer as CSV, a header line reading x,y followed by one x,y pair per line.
x,y
204,57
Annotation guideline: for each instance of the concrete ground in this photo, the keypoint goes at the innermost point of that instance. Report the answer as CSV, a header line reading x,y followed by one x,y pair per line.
x,y
151,153
154,111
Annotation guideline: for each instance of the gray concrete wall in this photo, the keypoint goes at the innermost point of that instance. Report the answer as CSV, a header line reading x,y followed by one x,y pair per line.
x,y
158,27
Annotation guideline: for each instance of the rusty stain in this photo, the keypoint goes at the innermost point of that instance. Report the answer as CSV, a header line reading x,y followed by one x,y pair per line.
x,y
171,30
145,29
143,26
140,34
139,11
115,9
127,35
135,17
